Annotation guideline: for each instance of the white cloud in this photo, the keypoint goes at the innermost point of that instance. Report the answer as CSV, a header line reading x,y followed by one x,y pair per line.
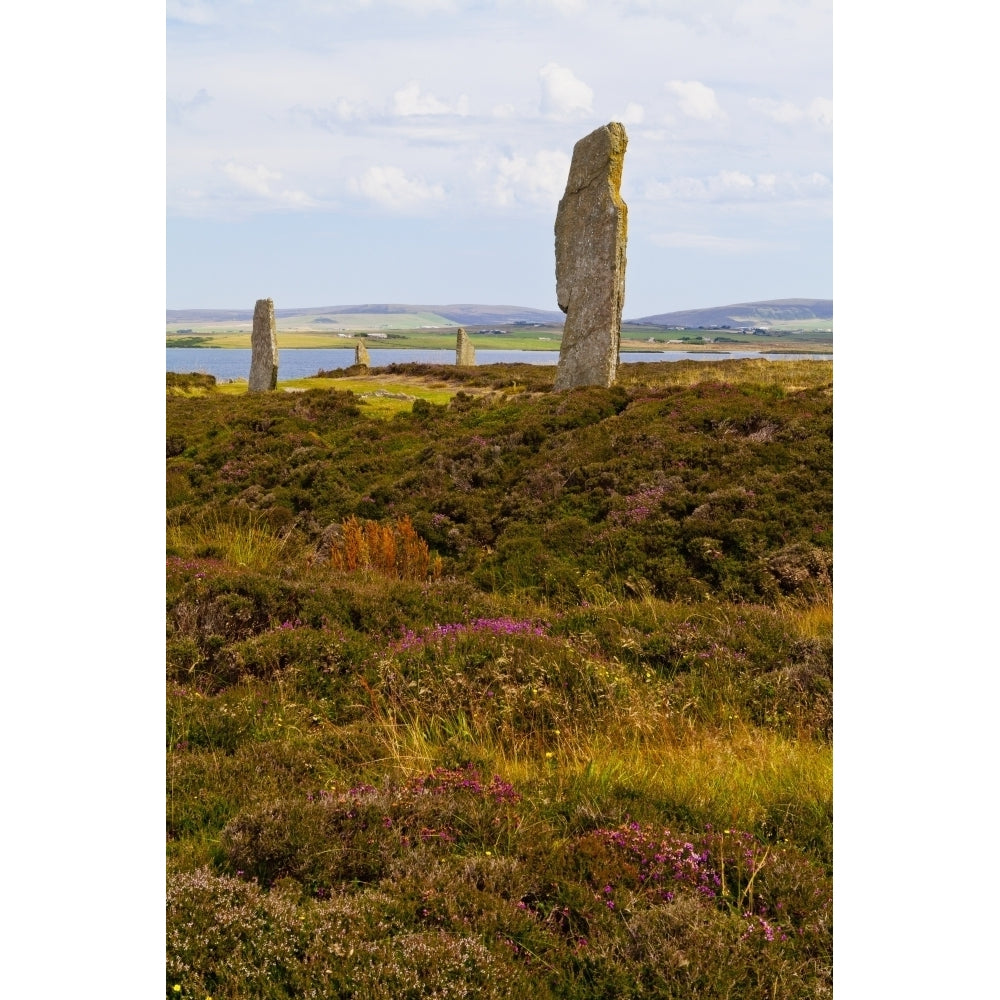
x,y
734,185
733,180
677,189
821,112
696,100
754,11
536,180
199,100
177,110
392,189
503,111
426,6
190,11
410,6
634,114
783,112
409,100
258,180
347,110
713,244
563,93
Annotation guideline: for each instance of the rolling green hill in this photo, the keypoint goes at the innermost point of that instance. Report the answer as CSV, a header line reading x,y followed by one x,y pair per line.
x,y
810,313
372,315
745,314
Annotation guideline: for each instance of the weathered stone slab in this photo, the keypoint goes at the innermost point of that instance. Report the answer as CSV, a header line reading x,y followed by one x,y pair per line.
x,y
264,349
591,231
361,355
465,350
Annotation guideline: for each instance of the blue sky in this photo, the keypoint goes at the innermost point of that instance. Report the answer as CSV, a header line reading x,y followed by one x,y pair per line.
x,y
415,150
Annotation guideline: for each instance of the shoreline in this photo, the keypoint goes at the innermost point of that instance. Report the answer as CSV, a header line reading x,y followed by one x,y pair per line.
x,y
679,348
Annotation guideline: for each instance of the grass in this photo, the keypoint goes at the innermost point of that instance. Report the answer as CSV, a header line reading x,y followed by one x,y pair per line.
x,y
377,396
588,755
512,339
402,339
244,542
789,376
733,776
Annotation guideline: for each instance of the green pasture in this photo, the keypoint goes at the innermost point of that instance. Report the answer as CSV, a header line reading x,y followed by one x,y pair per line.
x,y
398,338
378,396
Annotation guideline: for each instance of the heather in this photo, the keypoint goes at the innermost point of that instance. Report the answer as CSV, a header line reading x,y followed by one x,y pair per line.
x,y
525,692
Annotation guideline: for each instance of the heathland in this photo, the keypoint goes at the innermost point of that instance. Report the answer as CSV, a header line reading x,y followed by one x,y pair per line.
x,y
476,689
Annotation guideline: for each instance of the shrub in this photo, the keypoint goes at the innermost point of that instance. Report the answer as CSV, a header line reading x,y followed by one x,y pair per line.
x,y
228,939
188,381
394,550
328,839
321,723
211,783
503,676
437,964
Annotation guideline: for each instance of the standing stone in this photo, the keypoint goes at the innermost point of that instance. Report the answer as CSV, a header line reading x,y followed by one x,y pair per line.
x,y
361,355
264,348
465,350
591,229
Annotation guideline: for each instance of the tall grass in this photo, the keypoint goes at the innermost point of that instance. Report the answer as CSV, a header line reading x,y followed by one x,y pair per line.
x,y
743,777
815,619
393,549
246,540
789,375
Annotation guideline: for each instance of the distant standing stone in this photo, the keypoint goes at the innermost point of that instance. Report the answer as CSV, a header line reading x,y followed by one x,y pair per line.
x,y
361,355
465,350
591,230
264,348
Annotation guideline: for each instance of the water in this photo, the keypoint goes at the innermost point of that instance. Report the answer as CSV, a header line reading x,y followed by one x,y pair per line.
x,y
233,363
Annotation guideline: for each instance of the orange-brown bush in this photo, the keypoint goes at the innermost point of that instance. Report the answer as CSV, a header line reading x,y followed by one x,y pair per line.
x,y
394,549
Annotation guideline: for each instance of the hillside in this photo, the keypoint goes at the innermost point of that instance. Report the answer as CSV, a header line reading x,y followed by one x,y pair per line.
x,y
739,314
471,314
743,314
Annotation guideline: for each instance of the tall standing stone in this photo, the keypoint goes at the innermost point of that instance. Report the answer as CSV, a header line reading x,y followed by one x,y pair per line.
x,y
361,354
591,230
264,348
465,350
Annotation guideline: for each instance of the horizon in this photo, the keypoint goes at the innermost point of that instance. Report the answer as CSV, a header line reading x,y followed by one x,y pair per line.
x,y
788,299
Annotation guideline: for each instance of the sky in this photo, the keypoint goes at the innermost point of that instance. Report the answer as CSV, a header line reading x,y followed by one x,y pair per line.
x,y
324,152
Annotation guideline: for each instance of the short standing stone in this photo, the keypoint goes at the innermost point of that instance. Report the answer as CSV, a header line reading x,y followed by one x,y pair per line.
x,y
264,348
465,350
361,355
591,230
